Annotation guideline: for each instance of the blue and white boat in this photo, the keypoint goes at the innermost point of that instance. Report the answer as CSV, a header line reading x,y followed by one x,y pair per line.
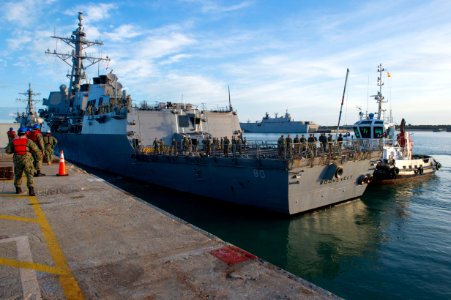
x,y
398,163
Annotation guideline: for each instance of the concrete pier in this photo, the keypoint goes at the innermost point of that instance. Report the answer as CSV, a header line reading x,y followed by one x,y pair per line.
x,y
81,237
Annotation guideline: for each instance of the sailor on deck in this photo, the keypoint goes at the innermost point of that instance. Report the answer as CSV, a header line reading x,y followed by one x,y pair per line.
x,y
281,143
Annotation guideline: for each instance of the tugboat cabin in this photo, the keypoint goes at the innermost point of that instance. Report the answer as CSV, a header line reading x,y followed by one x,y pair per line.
x,y
370,128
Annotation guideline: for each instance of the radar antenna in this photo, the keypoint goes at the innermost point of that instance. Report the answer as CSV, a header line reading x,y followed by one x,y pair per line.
x,y
79,43
379,97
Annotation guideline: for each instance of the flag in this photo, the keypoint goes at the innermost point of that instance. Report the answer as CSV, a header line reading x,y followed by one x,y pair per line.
x,y
388,74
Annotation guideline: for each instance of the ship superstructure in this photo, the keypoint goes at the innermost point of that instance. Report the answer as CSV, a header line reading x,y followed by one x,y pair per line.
x,y
198,151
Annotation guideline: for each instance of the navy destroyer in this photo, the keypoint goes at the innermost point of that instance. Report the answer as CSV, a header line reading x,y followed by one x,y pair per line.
x,y
181,147
398,163
283,124
29,116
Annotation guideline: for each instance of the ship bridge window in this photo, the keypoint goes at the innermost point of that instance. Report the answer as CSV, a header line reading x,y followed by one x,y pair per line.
x,y
379,122
366,122
183,121
378,132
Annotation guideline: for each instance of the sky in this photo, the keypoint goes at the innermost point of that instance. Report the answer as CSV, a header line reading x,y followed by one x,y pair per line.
x,y
275,56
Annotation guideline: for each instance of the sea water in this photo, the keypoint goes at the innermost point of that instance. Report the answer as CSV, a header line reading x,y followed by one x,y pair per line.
x,y
392,243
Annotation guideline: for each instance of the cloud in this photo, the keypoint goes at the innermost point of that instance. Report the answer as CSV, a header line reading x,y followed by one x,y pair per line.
x,y
208,6
174,59
123,32
160,46
19,40
93,12
23,13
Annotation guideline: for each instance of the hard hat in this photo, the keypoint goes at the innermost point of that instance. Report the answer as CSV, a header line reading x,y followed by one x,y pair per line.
x,y
48,131
22,130
10,129
35,126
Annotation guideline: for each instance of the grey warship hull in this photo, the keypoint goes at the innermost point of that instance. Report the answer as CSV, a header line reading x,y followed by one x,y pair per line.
x,y
272,184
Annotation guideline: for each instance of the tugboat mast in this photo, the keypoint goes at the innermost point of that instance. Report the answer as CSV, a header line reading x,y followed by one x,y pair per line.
x,y
379,97
79,43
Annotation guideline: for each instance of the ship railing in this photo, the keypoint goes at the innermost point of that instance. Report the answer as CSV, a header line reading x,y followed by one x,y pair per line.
x,y
269,150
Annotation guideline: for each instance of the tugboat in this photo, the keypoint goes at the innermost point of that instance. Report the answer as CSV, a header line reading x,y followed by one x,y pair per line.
x,y
398,163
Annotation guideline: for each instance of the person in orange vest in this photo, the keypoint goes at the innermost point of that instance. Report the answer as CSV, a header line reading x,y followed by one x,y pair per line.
x,y
22,148
11,134
36,136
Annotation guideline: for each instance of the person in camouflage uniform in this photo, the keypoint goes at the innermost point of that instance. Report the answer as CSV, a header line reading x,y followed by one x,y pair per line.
x,y
22,148
49,143
11,134
36,136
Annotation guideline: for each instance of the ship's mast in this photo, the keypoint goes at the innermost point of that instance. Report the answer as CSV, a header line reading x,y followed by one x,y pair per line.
x,y
230,101
29,93
79,43
379,97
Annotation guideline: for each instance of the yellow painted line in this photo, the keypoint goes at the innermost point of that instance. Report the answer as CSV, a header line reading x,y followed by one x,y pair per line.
x,y
20,219
67,279
30,265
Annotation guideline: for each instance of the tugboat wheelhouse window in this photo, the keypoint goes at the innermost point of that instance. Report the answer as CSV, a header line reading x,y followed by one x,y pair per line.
x,y
378,132
365,132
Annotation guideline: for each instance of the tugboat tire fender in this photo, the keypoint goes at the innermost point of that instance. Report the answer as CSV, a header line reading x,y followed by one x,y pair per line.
x,y
393,173
438,165
420,170
361,179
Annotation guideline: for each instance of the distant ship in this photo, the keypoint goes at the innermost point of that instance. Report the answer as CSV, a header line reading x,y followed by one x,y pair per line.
x,y
29,116
277,124
398,163
97,125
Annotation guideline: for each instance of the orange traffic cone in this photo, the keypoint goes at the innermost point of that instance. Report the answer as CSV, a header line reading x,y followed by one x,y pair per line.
x,y
62,166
